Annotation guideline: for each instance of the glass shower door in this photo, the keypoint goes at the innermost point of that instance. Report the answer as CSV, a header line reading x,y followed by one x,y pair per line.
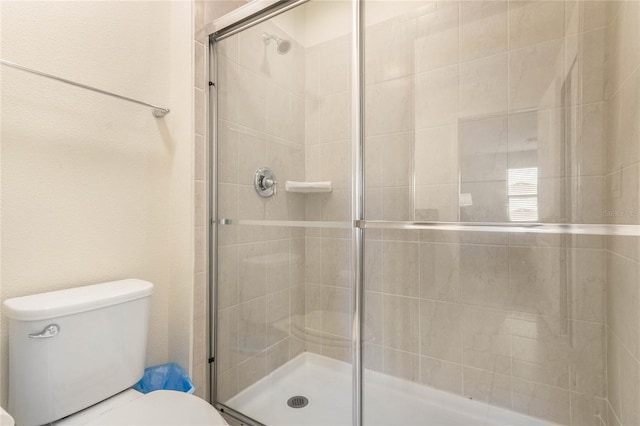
x,y
490,177
284,267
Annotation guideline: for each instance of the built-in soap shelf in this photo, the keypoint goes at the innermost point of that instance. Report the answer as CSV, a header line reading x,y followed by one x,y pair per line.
x,y
307,187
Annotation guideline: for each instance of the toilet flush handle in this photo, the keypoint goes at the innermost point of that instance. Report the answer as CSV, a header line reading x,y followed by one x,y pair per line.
x,y
51,330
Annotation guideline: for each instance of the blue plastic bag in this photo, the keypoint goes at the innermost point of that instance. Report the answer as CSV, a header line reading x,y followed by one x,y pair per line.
x,y
166,376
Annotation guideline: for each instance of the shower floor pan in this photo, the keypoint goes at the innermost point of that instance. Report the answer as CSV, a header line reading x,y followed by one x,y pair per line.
x,y
387,400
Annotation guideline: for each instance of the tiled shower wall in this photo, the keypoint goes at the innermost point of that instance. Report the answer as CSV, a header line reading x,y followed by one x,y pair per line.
x,y
328,270
458,94
623,156
260,269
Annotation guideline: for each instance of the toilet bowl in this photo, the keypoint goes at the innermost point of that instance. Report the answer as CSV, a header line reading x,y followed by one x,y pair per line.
x,y
159,408
74,355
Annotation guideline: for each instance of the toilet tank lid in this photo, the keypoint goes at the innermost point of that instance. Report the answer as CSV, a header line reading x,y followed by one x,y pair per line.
x,y
75,300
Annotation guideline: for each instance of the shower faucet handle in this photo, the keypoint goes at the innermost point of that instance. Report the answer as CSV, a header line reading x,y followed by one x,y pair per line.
x,y
265,182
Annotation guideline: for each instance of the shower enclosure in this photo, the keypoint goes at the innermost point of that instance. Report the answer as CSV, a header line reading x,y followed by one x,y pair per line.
x,y
426,212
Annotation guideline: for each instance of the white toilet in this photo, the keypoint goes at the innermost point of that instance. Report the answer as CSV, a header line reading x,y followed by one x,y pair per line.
x,y
74,354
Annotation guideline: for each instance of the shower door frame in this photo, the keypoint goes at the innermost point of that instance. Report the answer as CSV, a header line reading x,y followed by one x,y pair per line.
x,y
242,18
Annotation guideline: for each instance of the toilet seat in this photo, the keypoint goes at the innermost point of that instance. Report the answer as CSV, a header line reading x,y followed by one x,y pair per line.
x,y
159,408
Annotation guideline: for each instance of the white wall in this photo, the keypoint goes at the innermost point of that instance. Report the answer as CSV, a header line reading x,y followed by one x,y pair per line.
x,y
93,188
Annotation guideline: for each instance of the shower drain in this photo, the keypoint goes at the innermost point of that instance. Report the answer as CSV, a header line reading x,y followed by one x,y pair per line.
x,y
298,401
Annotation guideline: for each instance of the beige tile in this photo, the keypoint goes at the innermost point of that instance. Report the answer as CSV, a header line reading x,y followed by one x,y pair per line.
x,y
199,112
541,401
542,360
396,159
200,250
227,354
533,22
278,265
628,129
483,29
251,206
314,310
436,97
277,112
373,264
629,387
227,86
624,295
483,86
397,203
484,275
437,202
588,363
396,107
252,269
437,38
623,45
489,202
198,65
198,15
252,100
313,260
252,329
373,318
333,118
486,339
436,156
593,58
297,261
400,325
335,164
592,148
441,330
536,75
441,375
393,49
614,377
440,272
336,263
277,355
229,48
401,364
227,385
227,276
487,386
336,306
587,410
200,205
278,317
372,360
337,348
252,154
334,66
199,158
483,149
400,268
587,285
537,277
252,370
594,14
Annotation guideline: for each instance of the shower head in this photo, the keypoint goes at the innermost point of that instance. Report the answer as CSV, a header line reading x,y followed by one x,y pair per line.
x,y
283,45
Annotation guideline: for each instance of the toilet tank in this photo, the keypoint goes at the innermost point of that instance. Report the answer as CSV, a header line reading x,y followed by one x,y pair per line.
x,y
70,349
